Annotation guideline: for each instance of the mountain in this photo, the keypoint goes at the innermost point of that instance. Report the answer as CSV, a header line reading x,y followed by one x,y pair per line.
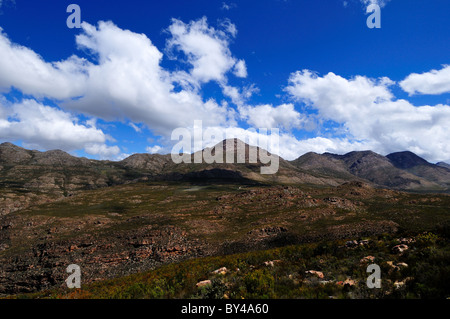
x,y
420,167
406,160
379,170
54,170
443,164
323,165
376,169
61,174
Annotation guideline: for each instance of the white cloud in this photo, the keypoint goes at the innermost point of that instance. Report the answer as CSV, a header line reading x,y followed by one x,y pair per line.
x,y
228,6
240,69
266,116
229,27
368,112
153,149
128,82
381,3
136,128
46,127
432,82
26,70
206,48
103,150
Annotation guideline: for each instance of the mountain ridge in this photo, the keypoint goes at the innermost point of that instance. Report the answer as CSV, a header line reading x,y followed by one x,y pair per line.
x,y
400,171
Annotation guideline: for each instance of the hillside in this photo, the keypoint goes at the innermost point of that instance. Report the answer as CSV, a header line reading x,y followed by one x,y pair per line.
x,y
126,229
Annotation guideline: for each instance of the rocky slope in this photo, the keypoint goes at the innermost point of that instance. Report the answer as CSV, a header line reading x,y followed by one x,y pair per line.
x,y
378,170
115,231
418,166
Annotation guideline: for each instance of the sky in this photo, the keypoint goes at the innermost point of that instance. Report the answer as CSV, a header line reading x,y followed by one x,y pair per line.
x,y
137,70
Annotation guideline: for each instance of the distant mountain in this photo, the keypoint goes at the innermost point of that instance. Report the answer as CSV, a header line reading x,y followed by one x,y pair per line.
x,y
60,172
443,164
406,160
55,171
420,167
323,165
379,170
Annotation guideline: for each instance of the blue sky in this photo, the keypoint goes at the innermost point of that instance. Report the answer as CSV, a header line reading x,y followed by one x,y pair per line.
x,y
137,70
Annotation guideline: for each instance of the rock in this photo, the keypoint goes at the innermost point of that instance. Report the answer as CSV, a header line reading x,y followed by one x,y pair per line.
x,y
364,242
401,284
399,249
396,267
347,282
203,283
220,271
319,274
367,259
271,263
406,240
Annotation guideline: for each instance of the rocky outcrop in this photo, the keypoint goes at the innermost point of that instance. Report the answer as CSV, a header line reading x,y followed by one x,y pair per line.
x,y
43,265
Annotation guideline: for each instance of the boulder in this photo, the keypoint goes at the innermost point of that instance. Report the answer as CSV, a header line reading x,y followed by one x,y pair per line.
x,y
367,259
399,249
220,271
203,283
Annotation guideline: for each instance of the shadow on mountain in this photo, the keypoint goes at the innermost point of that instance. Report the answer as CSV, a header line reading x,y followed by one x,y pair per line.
x,y
213,176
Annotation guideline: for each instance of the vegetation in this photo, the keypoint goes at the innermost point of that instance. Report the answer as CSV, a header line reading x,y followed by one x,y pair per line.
x,y
421,271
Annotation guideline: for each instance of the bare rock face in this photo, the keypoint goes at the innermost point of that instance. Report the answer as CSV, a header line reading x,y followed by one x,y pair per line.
x,y
43,266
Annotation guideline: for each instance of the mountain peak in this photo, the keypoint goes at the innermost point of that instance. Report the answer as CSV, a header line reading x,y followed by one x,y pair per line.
x,y
10,153
9,145
443,164
406,159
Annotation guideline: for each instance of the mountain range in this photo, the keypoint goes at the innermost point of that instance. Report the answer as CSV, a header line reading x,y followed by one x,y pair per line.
x,y
59,172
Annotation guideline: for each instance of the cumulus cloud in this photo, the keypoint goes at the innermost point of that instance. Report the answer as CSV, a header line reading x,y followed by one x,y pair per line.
x,y
206,48
240,69
128,82
368,112
22,68
432,82
153,149
46,127
283,116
